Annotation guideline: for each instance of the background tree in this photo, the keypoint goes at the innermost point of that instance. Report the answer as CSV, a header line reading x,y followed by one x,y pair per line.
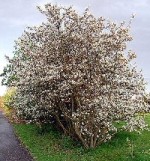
x,y
8,74
74,72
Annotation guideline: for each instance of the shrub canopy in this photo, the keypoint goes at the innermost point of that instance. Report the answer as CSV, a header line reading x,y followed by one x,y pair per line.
x,y
75,72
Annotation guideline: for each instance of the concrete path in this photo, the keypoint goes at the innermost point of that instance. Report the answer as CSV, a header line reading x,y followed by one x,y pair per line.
x,y
10,147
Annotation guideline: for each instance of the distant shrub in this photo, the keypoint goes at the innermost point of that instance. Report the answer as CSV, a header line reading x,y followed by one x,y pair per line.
x,y
1,103
8,104
8,98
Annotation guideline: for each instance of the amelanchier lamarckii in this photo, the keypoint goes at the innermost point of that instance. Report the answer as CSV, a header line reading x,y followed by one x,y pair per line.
x,y
75,72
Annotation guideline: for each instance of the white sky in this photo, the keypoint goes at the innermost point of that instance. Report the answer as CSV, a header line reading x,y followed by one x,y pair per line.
x,y
15,15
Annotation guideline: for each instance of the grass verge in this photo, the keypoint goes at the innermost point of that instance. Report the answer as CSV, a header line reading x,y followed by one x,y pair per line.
x,y
52,146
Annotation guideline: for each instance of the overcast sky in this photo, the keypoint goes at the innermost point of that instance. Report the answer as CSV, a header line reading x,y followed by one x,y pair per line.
x,y
15,15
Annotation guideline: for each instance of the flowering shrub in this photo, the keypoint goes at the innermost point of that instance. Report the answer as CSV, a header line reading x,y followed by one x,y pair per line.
x,y
75,72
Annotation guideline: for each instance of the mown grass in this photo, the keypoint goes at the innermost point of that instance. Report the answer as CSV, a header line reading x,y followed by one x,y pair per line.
x,y
52,146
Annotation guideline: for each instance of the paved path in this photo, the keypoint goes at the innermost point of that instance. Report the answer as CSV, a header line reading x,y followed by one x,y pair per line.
x,y
10,148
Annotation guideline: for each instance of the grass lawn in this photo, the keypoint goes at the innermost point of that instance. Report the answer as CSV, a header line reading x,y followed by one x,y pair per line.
x,y
51,146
